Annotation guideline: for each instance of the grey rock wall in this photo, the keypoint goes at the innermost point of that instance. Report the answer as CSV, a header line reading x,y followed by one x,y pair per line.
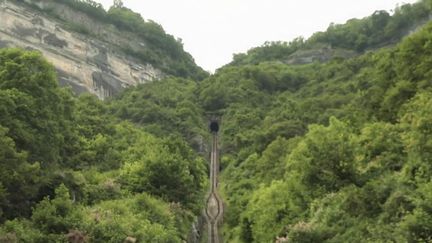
x,y
85,63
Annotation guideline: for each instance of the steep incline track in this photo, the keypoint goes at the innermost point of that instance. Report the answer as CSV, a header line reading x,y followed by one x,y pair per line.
x,y
214,209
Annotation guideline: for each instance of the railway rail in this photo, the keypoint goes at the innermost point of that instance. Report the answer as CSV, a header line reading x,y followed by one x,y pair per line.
x,y
214,207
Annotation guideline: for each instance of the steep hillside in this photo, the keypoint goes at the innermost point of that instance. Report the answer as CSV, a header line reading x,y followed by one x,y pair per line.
x,y
335,151
90,53
328,152
71,171
344,40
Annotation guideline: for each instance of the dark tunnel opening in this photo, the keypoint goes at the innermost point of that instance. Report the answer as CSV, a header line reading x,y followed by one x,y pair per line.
x,y
214,126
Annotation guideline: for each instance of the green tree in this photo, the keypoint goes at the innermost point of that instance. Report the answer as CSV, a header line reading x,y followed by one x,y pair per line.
x,y
19,180
416,121
35,103
167,169
55,217
324,160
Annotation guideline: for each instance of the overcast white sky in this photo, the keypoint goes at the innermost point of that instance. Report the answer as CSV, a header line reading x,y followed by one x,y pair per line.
x,y
213,30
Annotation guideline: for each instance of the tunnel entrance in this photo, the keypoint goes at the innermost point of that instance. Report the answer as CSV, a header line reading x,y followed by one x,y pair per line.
x,y
214,126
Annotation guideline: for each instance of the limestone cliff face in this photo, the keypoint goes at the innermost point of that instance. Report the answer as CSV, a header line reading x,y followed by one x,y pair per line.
x,y
86,63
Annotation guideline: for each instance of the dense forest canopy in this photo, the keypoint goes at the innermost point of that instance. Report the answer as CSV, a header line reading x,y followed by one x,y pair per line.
x,y
328,152
336,151
68,163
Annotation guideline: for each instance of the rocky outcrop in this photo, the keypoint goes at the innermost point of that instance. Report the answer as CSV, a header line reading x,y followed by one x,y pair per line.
x,y
87,63
322,54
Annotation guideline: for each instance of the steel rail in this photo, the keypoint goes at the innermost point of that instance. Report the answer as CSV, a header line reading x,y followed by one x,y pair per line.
x,y
214,208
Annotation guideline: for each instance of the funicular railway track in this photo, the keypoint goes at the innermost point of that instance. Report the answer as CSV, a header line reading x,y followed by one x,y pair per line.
x,y
214,207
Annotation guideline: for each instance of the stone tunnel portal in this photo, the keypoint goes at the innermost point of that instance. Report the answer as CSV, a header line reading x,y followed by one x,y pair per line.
x,y
214,126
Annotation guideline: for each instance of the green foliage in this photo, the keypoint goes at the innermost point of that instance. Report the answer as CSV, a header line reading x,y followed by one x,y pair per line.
x,y
19,179
34,126
89,7
416,122
378,30
167,169
266,218
323,152
20,231
166,108
381,149
95,135
143,218
35,107
66,162
336,152
323,161
57,215
268,52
